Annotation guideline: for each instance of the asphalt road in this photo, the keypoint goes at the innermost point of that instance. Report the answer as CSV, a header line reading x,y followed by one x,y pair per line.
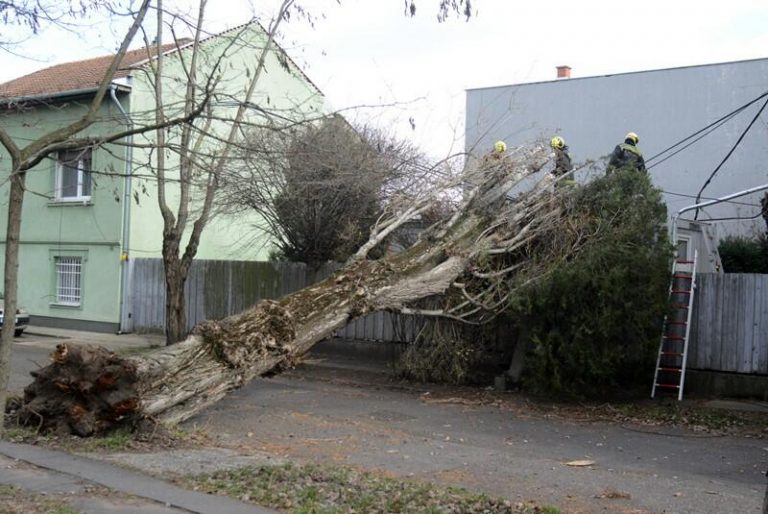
x,y
338,415
344,412
29,353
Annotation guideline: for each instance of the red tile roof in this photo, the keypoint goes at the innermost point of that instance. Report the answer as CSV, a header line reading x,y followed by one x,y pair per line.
x,y
73,76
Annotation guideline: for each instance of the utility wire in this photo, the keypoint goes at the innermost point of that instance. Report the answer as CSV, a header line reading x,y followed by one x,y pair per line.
x,y
736,218
735,202
722,122
728,155
716,122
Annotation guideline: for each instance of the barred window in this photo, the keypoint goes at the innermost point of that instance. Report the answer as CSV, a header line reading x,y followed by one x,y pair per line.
x,y
68,277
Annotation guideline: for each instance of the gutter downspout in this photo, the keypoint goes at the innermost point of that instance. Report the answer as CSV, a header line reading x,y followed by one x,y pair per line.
x,y
125,314
676,217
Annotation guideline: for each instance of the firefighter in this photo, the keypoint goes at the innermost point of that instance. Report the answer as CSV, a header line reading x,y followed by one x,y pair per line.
x,y
499,148
627,155
562,157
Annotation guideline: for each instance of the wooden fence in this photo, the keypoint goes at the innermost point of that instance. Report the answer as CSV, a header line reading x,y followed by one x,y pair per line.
x,y
729,330
216,289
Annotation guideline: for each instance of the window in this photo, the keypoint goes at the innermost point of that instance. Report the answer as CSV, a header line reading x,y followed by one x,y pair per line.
x,y
73,175
68,280
682,248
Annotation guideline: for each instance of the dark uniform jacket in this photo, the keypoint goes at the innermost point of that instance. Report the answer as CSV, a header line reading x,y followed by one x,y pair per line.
x,y
562,162
626,156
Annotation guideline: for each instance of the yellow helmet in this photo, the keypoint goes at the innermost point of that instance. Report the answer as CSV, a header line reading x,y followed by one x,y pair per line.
x,y
557,142
500,147
633,137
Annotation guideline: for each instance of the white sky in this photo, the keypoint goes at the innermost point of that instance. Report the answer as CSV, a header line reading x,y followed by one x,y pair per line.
x,y
366,52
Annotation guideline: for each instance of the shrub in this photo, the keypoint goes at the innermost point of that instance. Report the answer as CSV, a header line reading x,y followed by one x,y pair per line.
x,y
744,254
450,352
593,324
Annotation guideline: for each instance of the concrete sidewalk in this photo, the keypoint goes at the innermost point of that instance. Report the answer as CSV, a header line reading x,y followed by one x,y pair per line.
x,y
48,336
65,472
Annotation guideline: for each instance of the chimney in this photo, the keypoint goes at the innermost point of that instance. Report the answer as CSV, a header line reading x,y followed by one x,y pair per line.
x,y
563,72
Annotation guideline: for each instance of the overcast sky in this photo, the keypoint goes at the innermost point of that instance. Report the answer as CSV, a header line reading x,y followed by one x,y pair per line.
x,y
366,52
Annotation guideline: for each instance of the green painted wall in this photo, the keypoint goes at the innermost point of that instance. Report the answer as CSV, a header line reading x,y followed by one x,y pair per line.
x,y
94,230
49,227
286,91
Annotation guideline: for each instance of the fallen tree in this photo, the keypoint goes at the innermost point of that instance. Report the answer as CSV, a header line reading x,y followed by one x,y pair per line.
x,y
489,246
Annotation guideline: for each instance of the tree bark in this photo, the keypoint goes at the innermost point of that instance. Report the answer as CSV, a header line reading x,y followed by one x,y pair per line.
x,y
474,259
10,279
175,311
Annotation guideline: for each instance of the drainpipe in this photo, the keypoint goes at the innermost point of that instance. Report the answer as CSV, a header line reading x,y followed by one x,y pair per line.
x,y
125,315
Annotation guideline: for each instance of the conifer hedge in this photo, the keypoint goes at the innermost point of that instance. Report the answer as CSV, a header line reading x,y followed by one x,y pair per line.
x,y
593,324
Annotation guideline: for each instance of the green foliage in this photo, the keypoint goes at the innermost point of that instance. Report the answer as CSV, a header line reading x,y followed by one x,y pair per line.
x,y
744,254
593,323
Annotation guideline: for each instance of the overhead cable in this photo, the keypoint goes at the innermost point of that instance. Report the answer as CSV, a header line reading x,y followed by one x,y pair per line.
x,y
728,155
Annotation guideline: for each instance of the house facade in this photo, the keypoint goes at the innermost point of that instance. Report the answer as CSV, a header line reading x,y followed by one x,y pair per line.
x,y
88,212
663,107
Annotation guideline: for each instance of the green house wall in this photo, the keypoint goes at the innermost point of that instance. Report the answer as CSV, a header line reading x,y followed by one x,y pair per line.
x,y
91,230
94,230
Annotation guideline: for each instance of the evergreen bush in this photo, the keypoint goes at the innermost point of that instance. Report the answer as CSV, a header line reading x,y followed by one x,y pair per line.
x,y
593,324
744,254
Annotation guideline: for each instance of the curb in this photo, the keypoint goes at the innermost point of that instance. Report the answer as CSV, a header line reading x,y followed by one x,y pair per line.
x,y
127,481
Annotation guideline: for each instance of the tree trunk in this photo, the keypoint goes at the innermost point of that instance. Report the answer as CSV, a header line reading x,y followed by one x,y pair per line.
x,y
10,279
175,306
474,259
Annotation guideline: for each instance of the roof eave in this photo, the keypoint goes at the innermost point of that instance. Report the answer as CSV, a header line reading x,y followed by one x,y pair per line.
x,y
58,95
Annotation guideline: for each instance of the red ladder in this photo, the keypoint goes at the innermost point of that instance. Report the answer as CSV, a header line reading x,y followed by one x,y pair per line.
x,y
673,349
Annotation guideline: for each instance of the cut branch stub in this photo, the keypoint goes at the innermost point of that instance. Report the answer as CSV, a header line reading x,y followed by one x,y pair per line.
x,y
240,340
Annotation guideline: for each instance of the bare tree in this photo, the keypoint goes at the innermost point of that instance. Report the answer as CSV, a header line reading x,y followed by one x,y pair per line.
x,y
319,187
475,259
188,166
176,116
23,158
28,17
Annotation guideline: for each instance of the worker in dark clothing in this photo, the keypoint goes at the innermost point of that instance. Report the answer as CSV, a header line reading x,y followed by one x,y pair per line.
x,y
627,155
562,160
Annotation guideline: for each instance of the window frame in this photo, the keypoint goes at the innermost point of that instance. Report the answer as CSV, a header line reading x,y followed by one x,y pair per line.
x,y
683,240
82,173
54,256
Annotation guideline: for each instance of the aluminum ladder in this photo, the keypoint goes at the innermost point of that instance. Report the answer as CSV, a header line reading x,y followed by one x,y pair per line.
x,y
673,349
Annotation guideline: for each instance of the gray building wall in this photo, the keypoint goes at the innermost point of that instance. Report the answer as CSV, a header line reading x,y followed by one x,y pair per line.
x,y
663,106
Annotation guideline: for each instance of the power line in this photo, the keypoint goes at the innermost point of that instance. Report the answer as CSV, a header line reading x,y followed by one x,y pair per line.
x,y
728,155
735,202
733,218
718,122
702,136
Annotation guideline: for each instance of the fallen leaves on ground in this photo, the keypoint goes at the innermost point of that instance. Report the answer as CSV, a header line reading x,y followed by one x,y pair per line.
x,y
340,489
